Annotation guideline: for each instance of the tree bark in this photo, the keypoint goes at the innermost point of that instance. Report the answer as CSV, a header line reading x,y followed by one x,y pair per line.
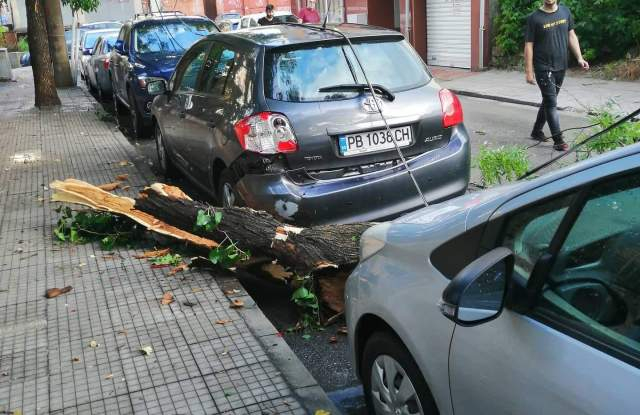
x,y
305,250
45,88
57,43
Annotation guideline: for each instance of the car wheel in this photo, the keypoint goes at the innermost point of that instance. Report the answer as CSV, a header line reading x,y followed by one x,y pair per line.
x,y
137,123
165,165
392,381
227,194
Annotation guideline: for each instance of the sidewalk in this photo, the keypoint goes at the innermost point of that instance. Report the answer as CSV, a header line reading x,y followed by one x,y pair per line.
x,y
46,363
580,93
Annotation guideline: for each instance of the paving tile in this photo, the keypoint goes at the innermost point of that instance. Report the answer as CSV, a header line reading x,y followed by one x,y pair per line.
x,y
249,385
47,360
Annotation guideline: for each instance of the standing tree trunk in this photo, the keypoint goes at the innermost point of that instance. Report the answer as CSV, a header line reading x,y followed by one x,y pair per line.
x,y
46,94
57,44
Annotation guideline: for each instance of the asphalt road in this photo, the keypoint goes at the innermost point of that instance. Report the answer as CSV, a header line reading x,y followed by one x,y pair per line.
x,y
489,123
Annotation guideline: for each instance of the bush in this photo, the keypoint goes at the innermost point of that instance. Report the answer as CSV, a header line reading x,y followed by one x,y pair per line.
x,y
503,164
23,44
624,135
607,28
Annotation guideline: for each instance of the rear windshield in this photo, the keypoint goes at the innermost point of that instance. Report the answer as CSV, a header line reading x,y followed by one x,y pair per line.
x,y
174,36
297,74
91,38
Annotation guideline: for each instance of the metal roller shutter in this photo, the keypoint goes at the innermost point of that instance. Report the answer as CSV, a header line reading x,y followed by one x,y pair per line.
x,y
449,33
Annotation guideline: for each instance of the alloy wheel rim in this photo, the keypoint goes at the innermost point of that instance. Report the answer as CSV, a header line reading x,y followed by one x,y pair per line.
x,y
161,153
392,391
228,196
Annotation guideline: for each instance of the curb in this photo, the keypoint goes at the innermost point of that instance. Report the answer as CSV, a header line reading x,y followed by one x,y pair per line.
x,y
502,99
303,385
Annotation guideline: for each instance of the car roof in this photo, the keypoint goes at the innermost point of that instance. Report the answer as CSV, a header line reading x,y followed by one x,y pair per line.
x,y
98,23
288,34
166,18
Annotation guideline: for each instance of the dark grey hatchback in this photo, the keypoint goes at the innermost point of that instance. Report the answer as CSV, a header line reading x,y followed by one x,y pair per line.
x,y
280,119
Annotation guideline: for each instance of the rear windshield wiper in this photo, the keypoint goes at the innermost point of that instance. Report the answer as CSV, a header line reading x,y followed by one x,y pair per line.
x,y
379,89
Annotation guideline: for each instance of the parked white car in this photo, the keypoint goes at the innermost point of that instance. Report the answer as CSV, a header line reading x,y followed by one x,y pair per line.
x,y
522,299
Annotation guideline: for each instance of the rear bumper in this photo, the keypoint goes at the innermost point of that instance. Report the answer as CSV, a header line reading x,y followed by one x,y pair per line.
x,y
442,173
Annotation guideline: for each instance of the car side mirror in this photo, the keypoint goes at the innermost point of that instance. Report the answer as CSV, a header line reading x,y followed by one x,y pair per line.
x,y
157,87
87,52
477,294
119,46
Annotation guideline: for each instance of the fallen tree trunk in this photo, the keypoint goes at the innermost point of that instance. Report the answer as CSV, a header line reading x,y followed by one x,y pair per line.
x,y
328,253
305,250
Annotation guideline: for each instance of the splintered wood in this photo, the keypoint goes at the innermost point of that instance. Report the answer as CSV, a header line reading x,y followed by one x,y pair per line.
x,y
83,193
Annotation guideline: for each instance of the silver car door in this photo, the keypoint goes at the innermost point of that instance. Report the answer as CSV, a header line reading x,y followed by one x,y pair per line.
x,y
569,354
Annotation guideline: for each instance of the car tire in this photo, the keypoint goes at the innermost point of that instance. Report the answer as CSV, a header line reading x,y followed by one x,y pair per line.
x,y
386,353
137,122
165,165
227,194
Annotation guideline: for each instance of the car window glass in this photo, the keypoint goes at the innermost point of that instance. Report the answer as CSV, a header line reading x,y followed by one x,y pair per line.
x,y
192,66
529,232
298,74
595,280
171,36
127,39
123,29
216,71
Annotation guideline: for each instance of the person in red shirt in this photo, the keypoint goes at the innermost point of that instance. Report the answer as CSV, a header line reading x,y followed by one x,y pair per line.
x,y
309,14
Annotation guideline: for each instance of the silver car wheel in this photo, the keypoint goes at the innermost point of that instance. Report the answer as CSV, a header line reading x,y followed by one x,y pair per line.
x,y
228,195
162,153
392,391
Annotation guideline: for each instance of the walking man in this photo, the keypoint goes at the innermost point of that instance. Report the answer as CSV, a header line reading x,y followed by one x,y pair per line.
x,y
549,34
268,20
309,14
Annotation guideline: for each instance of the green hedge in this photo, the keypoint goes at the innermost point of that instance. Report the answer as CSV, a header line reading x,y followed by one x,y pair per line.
x,y
607,29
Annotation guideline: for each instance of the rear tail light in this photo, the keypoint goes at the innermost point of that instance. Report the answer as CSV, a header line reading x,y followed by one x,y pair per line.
x,y
105,64
451,108
266,133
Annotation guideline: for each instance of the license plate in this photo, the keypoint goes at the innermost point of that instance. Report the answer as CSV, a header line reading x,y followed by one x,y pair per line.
x,y
373,141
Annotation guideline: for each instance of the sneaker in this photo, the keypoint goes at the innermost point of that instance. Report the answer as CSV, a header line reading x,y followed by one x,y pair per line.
x,y
561,146
539,136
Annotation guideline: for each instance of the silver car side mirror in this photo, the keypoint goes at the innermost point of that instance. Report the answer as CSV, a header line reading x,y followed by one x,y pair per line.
x,y
476,295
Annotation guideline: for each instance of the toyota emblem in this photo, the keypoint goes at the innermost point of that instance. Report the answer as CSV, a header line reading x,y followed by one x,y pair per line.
x,y
369,105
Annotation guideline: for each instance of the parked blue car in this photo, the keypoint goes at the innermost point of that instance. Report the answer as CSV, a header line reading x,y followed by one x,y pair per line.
x,y
148,48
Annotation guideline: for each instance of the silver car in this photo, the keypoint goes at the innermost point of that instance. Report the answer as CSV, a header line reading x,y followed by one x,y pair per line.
x,y
524,299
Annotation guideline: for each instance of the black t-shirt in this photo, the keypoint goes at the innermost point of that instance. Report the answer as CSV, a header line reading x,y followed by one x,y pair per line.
x,y
263,21
549,33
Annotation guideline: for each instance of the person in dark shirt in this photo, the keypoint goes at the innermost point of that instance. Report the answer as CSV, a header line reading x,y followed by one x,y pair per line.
x,y
548,36
269,19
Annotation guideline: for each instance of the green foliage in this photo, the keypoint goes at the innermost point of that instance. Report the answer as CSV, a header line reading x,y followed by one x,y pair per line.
x,y
168,259
87,226
307,303
23,44
86,6
503,164
623,135
607,28
227,255
206,221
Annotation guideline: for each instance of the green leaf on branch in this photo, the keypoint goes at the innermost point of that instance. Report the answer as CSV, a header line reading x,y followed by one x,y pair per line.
x,y
206,222
169,259
86,6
